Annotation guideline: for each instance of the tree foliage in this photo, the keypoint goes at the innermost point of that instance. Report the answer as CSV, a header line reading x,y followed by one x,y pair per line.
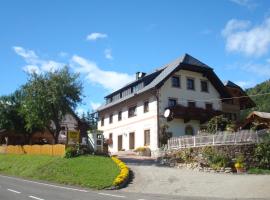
x,y
10,118
91,119
218,123
262,101
47,97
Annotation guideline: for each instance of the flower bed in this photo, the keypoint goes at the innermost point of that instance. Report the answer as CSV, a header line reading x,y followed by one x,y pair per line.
x,y
122,178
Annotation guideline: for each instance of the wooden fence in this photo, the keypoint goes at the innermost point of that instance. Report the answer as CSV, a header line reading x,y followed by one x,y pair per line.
x,y
51,150
220,138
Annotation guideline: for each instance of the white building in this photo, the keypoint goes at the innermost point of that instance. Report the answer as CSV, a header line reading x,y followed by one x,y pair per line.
x,y
133,116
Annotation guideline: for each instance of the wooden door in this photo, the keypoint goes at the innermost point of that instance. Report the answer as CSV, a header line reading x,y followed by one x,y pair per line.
x,y
131,140
120,142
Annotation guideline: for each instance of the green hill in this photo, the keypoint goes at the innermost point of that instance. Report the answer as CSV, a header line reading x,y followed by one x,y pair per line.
x,y
262,101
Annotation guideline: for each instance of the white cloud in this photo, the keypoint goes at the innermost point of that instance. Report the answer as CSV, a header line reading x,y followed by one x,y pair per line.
x,y
34,63
261,69
241,37
110,80
95,105
245,84
31,69
108,54
246,3
95,36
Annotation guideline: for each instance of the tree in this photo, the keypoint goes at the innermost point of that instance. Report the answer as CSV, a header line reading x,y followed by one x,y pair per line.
x,y
218,123
10,118
47,97
91,119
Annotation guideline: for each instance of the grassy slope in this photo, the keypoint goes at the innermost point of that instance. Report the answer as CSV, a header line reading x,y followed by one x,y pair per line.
x,y
88,171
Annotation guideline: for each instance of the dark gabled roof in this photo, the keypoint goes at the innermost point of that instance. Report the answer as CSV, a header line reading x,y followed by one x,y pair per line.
x,y
146,80
245,101
231,84
156,79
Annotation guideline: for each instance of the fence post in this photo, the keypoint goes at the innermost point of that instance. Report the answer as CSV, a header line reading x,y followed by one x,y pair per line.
x,y
194,141
213,139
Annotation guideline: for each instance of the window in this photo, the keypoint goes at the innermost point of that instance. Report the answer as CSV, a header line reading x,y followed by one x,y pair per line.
x,y
172,102
190,84
189,130
209,106
132,111
146,137
111,119
176,81
119,115
204,86
146,106
191,104
102,121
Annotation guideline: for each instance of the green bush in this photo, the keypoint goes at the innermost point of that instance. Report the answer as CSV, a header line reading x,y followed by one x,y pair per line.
x,y
70,152
185,156
215,159
262,154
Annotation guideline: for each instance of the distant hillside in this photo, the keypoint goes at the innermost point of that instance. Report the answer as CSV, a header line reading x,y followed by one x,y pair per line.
x,y
262,102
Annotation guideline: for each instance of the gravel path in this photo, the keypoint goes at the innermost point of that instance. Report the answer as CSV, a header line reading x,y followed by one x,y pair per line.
x,y
149,178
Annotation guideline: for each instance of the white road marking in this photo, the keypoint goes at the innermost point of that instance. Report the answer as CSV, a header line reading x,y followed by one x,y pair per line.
x,y
33,197
45,184
112,195
14,191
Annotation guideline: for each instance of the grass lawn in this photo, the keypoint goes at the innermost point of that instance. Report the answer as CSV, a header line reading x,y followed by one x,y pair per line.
x,y
88,171
258,171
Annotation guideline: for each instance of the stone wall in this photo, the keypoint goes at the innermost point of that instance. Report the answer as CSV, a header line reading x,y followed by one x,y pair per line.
x,y
197,161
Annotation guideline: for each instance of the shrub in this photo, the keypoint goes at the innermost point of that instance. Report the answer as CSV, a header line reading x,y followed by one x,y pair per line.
x,y
144,151
70,152
185,155
215,159
262,154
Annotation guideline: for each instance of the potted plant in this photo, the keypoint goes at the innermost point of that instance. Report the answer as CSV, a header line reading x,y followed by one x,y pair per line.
x,y
239,164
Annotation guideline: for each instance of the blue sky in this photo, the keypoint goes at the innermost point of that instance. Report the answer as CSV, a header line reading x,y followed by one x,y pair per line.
x,y
108,41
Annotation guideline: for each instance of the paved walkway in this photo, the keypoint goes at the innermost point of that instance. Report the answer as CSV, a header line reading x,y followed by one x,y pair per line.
x,y
149,178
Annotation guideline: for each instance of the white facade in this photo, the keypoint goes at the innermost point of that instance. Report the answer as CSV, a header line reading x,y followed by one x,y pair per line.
x,y
137,124
150,120
194,101
183,95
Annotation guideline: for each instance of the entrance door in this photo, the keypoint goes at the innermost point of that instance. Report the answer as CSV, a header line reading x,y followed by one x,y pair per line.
x,y
131,140
120,142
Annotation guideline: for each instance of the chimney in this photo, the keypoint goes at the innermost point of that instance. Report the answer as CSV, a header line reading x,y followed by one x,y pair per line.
x,y
140,75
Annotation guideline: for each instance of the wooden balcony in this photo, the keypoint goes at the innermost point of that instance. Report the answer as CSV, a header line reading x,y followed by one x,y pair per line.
x,y
192,113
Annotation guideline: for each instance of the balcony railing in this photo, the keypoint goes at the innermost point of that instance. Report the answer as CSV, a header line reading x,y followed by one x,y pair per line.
x,y
192,113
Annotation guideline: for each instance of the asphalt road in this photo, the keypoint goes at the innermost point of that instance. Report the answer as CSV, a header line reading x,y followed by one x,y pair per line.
x,y
12,188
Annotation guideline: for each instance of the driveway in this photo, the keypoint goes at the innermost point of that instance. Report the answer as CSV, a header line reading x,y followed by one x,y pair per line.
x,y
153,179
